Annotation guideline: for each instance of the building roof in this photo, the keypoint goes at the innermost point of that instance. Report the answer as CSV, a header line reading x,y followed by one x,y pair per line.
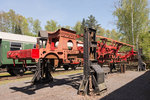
x,y
17,37
43,34
62,29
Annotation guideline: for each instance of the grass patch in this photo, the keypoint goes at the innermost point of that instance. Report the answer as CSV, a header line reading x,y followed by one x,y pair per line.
x,y
67,72
7,74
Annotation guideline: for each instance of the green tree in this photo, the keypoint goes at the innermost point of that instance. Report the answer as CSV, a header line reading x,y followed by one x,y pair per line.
x,y
108,34
4,22
101,31
83,25
51,25
24,26
132,18
67,27
133,22
145,44
116,35
77,27
14,23
18,29
36,26
91,22
30,23
12,17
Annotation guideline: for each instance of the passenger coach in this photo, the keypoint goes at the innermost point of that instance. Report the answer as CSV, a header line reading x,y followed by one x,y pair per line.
x,y
11,42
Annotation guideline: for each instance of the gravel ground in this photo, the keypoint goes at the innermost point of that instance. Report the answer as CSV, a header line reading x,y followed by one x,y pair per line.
x,y
129,86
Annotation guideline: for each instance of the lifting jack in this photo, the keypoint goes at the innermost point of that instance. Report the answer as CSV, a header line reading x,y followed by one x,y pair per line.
x,y
93,74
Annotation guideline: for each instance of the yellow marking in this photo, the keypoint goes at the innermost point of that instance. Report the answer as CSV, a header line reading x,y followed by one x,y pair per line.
x,y
4,74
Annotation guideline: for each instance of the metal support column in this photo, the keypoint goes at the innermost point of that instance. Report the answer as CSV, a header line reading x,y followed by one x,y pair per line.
x,y
93,75
43,72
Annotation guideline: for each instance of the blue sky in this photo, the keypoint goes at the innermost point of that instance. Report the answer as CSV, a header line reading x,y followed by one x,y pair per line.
x,y
65,12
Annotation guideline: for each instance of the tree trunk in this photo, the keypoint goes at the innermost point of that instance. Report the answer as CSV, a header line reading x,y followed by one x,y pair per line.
x,y
139,51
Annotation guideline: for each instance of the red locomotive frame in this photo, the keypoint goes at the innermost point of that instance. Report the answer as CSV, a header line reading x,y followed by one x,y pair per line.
x,y
62,54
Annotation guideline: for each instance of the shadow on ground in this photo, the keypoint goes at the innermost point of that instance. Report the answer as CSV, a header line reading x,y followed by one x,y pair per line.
x,y
138,89
72,80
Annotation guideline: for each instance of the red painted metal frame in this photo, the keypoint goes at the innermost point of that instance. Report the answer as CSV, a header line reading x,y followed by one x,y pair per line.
x,y
23,55
111,52
114,41
105,52
27,54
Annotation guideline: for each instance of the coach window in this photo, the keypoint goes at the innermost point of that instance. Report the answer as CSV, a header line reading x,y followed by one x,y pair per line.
x,y
43,42
34,45
15,46
0,42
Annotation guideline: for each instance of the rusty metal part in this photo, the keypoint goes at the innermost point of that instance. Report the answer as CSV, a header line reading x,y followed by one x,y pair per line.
x,y
122,68
111,40
23,54
53,58
93,75
108,51
61,49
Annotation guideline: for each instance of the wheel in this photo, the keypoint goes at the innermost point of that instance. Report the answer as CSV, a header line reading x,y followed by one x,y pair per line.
x,y
33,72
54,69
16,71
21,72
79,65
66,67
53,59
11,72
73,67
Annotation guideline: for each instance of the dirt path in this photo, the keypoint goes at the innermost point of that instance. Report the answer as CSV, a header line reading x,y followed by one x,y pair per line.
x,y
129,86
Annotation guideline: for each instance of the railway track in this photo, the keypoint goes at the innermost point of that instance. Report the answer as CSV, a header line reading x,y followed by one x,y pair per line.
x,y
5,76
3,70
